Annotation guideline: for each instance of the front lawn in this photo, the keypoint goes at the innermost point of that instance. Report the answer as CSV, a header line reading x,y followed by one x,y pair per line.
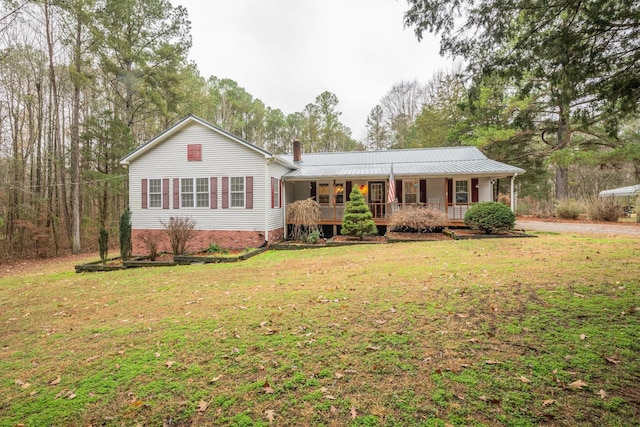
x,y
513,332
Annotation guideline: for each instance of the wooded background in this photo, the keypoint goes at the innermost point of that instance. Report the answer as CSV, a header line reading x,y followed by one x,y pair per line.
x,y
552,88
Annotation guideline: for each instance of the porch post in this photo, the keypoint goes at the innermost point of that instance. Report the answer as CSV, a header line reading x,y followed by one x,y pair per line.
x,y
513,199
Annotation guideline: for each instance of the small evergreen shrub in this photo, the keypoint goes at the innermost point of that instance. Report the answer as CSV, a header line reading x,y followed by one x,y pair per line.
x,y
490,217
606,209
358,219
214,248
125,235
418,219
569,209
313,237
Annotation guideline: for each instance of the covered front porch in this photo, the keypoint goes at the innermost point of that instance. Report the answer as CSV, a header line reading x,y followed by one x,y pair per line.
x,y
386,195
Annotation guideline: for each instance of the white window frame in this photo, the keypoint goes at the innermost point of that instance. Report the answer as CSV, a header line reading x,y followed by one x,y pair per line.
x,y
410,184
198,195
155,197
202,192
236,202
464,191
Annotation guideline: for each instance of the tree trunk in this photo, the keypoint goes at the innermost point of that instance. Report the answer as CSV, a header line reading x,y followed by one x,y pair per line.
x,y
75,144
564,139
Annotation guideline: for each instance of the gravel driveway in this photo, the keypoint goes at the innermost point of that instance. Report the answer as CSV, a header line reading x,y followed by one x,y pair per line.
x,y
623,229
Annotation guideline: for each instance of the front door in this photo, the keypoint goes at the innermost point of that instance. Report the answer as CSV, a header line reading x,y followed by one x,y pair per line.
x,y
376,198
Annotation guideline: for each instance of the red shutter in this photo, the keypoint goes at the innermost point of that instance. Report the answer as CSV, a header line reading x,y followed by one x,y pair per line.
x,y
423,191
449,190
273,196
399,190
213,192
145,189
165,193
280,192
176,193
474,190
225,192
249,192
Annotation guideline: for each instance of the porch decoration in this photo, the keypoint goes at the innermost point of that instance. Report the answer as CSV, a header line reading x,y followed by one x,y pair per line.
x,y
358,219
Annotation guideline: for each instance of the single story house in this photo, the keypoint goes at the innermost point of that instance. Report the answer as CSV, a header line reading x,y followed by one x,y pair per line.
x,y
237,192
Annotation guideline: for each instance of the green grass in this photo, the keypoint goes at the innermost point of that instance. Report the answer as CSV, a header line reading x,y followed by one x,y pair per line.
x,y
464,333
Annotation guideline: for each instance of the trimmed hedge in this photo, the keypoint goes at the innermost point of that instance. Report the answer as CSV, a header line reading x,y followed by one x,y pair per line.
x,y
490,217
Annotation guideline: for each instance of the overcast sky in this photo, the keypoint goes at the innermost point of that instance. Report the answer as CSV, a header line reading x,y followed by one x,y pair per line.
x,y
287,52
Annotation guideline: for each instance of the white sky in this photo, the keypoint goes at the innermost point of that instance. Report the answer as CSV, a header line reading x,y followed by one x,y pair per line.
x,y
287,52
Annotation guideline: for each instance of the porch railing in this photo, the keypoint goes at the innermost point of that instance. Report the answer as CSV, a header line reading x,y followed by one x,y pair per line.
x,y
382,211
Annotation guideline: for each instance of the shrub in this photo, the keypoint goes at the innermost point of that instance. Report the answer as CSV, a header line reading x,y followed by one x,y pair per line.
x,y
305,217
417,219
606,209
214,248
150,239
358,219
180,231
313,237
569,209
125,234
541,208
490,217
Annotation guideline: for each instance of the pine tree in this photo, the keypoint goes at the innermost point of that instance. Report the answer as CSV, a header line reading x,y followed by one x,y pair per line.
x,y
358,220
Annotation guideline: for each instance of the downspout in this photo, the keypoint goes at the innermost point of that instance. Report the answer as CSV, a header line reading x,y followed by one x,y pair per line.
x,y
266,199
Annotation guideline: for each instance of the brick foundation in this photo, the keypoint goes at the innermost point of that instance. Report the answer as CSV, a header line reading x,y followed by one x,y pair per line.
x,y
203,238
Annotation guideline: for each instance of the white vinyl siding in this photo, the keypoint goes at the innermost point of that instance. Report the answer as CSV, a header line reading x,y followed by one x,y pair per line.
x,y
221,157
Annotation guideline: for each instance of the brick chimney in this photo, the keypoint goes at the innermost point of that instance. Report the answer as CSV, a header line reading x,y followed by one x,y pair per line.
x,y
297,150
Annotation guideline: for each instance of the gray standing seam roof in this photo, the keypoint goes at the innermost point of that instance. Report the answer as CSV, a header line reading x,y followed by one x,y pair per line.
x,y
422,162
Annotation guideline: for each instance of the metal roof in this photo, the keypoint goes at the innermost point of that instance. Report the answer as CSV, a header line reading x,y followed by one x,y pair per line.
x,y
414,162
622,191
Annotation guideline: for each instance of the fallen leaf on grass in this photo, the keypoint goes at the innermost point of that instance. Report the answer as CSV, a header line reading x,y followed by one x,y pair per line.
x,y
214,379
577,385
612,360
156,354
202,406
271,415
354,413
583,337
56,381
267,388
338,375
548,402
372,348
169,363
493,362
603,394
334,411
524,379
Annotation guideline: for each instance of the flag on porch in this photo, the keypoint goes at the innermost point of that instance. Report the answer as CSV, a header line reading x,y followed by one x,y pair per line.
x,y
391,194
